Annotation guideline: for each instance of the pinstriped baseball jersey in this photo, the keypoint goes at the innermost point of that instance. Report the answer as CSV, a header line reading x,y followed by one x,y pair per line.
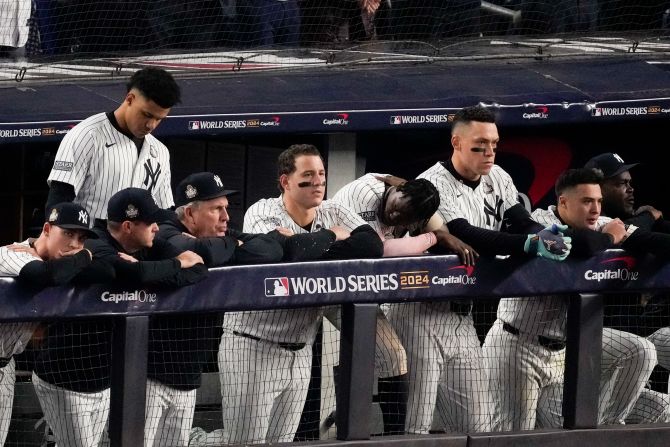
x,y
98,160
483,206
294,325
14,336
364,196
544,315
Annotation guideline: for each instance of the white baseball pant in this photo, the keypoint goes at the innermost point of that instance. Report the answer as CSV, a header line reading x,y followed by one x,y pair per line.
x,y
263,389
76,419
7,380
168,415
443,348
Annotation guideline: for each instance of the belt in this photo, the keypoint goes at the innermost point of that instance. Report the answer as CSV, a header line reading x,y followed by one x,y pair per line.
x,y
4,362
550,343
461,307
281,344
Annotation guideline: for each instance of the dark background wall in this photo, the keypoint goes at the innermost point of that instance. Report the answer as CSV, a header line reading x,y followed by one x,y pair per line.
x,y
532,155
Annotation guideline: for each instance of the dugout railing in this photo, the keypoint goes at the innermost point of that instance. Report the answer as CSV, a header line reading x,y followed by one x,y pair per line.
x,y
358,285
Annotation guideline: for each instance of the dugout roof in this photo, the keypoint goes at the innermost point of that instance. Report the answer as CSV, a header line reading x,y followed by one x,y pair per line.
x,y
354,98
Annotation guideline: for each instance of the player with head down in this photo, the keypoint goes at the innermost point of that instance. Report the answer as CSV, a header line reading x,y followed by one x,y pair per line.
x,y
114,150
265,357
476,196
403,215
56,257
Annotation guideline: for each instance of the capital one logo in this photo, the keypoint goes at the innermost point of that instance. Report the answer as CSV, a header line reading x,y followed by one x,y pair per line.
x,y
624,273
462,275
277,286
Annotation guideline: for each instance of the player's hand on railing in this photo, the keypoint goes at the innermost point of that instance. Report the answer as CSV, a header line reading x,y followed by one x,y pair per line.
x,y
650,209
189,259
340,233
127,257
73,252
549,243
285,231
466,253
617,229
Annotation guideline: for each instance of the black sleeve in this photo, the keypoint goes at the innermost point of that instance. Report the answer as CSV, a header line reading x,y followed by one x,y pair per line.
x,y
59,192
643,220
487,242
364,242
164,273
308,246
54,272
586,242
517,220
213,250
257,249
98,271
641,241
662,226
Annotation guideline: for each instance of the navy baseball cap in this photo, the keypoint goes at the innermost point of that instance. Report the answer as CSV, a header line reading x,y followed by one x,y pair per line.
x,y
71,216
135,204
200,186
611,164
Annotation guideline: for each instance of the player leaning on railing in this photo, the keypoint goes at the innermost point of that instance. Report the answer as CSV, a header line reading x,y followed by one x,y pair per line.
x,y
55,258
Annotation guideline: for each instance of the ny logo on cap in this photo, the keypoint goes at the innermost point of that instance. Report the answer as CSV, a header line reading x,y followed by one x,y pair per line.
x,y
218,181
83,217
191,191
54,215
619,159
131,211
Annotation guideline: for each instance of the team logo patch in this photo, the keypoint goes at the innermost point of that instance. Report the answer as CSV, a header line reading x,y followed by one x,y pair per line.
x,y
132,212
277,286
218,181
191,191
83,217
54,215
368,216
153,151
194,125
62,165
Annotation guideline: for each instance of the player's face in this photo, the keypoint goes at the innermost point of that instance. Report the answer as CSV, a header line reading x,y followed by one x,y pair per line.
x,y
210,218
142,115
618,195
142,234
579,207
306,185
61,241
397,209
475,146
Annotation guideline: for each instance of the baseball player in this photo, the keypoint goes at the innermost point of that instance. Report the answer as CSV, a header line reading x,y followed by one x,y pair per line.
x,y
76,403
111,151
525,348
440,338
619,202
394,207
265,357
56,257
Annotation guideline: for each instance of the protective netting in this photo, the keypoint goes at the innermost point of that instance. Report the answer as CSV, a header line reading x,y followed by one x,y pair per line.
x,y
219,36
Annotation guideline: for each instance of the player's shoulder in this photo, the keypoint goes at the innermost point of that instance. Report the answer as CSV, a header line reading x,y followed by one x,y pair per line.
x,y
91,124
12,261
435,172
266,206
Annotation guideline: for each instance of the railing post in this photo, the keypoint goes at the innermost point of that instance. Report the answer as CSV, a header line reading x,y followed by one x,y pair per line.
x,y
354,390
129,379
582,361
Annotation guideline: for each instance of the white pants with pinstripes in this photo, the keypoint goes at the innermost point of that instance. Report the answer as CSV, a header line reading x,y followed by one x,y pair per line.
x,y
7,379
168,415
263,389
443,349
528,379
76,419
